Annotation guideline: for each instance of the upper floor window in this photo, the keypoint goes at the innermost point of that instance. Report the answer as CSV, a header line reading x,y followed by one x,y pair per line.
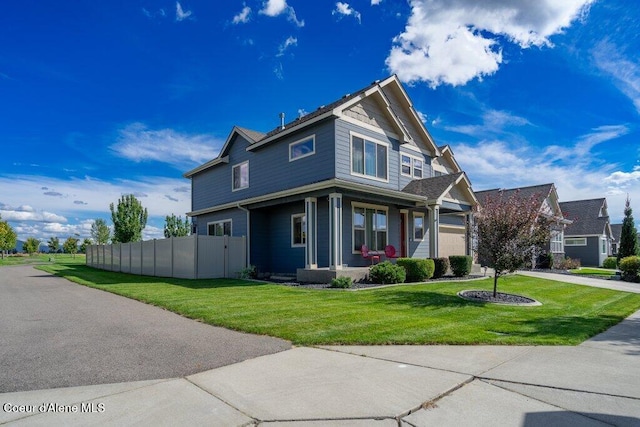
x,y
241,176
302,148
219,228
368,158
411,166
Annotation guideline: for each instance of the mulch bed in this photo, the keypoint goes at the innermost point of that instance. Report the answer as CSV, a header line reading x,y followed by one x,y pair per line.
x,y
500,298
364,285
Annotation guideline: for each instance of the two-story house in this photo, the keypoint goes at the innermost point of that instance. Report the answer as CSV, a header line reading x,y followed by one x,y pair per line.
x,y
309,194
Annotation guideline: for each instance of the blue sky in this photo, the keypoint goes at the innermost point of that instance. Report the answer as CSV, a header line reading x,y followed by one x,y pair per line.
x,y
104,98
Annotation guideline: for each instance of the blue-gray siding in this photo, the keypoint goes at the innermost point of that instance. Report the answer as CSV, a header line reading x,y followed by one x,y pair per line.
x,y
588,255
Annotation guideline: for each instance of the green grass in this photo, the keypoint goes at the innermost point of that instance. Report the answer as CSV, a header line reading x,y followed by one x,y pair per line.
x,y
590,271
418,314
23,259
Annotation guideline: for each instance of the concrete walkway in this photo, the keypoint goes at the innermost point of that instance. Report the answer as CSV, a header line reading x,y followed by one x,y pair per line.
x,y
594,384
616,285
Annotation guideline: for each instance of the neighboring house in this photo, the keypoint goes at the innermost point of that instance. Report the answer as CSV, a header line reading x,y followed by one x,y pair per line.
x,y
616,232
589,237
362,170
547,197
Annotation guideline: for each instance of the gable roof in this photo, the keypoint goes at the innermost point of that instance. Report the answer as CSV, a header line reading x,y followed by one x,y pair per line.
x,y
589,217
541,191
437,187
616,231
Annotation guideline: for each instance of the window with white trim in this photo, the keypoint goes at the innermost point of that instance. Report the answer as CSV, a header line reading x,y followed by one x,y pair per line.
x,y
369,227
219,228
240,176
298,230
303,148
556,241
411,166
368,158
575,241
418,226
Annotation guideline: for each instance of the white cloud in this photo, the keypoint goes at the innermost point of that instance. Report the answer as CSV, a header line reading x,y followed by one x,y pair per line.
x,y
275,8
375,2
493,121
344,9
625,72
181,14
290,41
453,42
243,16
138,143
33,214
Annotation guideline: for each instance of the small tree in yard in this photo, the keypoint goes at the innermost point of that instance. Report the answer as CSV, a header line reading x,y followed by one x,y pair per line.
x,y
508,231
8,237
100,232
175,227
70,246
53,244
129,219
31,246
628,235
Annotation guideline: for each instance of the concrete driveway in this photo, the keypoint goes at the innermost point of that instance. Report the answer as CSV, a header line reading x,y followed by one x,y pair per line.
x,y
59,334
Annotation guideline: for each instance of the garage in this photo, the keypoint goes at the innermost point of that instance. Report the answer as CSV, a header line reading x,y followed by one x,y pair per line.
x,y
452,240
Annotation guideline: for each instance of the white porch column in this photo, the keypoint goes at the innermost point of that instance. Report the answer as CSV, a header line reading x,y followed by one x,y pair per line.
x,y
434,231
469,233
335,231
311,238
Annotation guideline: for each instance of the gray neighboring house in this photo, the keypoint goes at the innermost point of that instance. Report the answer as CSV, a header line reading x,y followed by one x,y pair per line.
x,y
362,170
589,237
616,232
547,196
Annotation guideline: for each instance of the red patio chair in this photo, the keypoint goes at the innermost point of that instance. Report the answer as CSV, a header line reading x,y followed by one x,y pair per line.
x,y
366,255
390,252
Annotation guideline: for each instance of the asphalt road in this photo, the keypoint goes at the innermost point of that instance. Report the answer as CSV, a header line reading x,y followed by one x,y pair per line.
x,y
55,333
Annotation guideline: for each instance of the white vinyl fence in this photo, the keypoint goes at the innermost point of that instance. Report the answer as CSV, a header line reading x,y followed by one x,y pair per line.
x,y
192,257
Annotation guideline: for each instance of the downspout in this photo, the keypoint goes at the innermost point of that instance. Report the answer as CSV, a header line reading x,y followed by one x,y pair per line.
x,y
248,233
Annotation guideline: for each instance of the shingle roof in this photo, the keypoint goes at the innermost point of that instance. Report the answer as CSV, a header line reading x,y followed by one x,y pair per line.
x,y
253,134
585,215
542,191
616,231
431,188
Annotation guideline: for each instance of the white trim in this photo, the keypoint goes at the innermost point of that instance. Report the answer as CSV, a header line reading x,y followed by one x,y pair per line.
x,y
366,206
413,236
304,231
368,126
216,161
312,152
412,168
374,141
289,130
221,221
233,168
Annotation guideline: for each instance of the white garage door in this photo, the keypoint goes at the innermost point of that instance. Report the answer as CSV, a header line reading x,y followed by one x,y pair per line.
x,y
452,241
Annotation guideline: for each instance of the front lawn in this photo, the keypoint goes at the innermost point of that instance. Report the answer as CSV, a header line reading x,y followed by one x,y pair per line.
x,y
429,313
591,271
24,259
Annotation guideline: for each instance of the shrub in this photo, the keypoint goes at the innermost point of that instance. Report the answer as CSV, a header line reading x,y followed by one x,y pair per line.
x,y
630,268
441,265
460,264
544,261
387,273
418,270
568,264
341,282
251,272
610,262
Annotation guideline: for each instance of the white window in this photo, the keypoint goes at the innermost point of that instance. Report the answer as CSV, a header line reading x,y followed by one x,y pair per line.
x,y
240,176
418,226
368,158
411,166
556,241
303,148
369,227
575,241
219,228
604,245
298,230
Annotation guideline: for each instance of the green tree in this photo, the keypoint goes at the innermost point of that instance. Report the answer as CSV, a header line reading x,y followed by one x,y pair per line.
x,y
129,219
100,232
629,235
85,244
31,246
508,231
53,244
70,246
8,237
175,227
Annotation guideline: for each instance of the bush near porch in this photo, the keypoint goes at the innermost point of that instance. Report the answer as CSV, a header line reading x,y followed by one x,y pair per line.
x,y
418,270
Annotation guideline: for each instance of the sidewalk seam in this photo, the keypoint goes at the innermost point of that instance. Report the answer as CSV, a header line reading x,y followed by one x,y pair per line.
x,y
255,420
